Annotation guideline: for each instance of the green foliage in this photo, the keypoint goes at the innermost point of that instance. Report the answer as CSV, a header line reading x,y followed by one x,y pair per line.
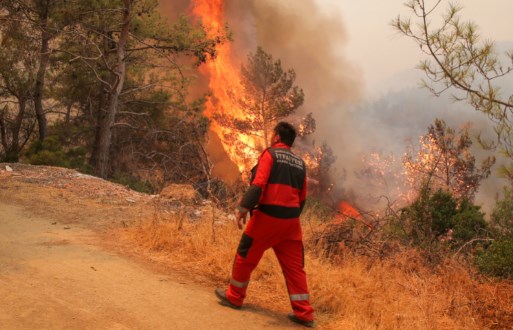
x,y
436,220
193,40
51,152
48,152
267,94
156,128
502,214
441,208
127,179
468,223
147,21
497,259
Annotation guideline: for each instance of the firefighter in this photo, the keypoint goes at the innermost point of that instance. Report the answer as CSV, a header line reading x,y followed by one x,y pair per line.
x,y
276,198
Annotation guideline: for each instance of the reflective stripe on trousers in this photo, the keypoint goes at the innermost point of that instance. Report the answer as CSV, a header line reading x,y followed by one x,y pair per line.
x,y
299,297
238,284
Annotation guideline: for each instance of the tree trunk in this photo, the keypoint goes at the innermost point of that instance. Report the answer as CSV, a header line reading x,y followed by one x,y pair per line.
x,y
100,117
3,132
13,150
105,132
41,72
69,106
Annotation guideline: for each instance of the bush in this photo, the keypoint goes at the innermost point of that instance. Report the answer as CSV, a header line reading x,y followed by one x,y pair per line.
x,y
133,183
437,220
468,223
497,260
49,152
52,153
502,215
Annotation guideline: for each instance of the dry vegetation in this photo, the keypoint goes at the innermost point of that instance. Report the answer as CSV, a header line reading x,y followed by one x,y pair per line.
x,y
349,292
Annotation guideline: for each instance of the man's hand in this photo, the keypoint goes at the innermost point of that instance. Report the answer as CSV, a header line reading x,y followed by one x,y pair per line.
x,y
242,216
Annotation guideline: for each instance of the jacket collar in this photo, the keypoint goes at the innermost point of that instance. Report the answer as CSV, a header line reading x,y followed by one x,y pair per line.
x,y
280,145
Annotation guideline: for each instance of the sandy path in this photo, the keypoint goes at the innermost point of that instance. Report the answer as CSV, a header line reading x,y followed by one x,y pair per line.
x,y
54,276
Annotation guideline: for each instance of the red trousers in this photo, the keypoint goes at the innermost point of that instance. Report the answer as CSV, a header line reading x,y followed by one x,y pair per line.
x,y
284,236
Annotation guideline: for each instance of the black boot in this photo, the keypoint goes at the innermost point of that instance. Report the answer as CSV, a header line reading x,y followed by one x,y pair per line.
x,y
221,294
294,318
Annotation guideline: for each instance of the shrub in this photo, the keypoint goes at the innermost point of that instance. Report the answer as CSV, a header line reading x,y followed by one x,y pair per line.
x,y
52,152
436,220
468,223
497,259
502,214
48,152
132,182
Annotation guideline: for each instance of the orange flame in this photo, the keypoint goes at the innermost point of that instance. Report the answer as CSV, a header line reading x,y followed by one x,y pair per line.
x,y
224,79
348,212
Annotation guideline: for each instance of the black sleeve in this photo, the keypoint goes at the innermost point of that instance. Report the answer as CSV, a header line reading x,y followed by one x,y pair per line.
x,y
251,197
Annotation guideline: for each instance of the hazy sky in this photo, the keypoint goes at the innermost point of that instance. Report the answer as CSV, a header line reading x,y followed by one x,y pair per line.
x,y
380,52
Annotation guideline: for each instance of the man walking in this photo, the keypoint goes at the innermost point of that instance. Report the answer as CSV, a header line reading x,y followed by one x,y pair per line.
x,y
276,197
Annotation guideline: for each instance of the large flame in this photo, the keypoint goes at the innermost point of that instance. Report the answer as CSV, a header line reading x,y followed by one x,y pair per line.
x,y
224,81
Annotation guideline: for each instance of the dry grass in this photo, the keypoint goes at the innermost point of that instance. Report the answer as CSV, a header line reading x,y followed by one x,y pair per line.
x,y
399,292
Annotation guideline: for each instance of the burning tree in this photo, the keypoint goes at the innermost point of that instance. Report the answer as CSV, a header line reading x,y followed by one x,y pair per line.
x,y
319,161
267,95
245,104
444,161
307,126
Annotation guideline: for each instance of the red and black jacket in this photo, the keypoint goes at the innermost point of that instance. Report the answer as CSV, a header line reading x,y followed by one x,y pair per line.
x,y
278,185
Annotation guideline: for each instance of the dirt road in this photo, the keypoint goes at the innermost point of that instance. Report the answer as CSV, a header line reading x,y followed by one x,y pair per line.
x,y
55,275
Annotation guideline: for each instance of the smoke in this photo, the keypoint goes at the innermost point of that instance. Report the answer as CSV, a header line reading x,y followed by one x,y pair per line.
x,y
310,39
396,120
173,9
306,38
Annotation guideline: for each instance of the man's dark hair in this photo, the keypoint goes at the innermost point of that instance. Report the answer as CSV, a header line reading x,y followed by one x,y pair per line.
x,y
287,132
